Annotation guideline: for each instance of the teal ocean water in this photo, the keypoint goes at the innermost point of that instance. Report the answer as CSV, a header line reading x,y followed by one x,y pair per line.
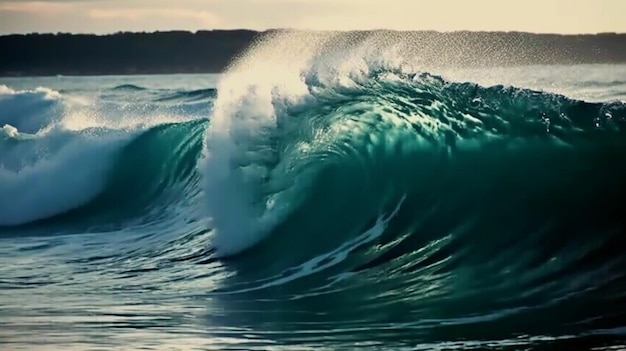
x,y
315,196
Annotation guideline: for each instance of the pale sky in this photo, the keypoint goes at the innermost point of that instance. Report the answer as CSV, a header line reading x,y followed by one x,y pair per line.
x,y
108,16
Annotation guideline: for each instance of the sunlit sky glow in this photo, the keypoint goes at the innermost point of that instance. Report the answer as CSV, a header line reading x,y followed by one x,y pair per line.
x,y
108,16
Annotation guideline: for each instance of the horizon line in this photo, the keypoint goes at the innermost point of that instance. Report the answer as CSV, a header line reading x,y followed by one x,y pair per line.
x,y
311,30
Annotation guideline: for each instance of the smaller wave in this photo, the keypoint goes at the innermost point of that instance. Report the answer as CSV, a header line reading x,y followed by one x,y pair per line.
x,y
129,87
42,176
189,95
58,151
30,110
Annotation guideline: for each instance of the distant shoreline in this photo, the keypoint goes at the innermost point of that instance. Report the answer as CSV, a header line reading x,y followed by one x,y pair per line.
x,y
210,52
106,75
77,75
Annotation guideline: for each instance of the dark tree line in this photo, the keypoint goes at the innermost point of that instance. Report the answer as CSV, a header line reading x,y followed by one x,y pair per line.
x,y
120,53
211,51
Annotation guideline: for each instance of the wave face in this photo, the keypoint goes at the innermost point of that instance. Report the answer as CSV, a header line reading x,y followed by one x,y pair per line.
x,y
334,196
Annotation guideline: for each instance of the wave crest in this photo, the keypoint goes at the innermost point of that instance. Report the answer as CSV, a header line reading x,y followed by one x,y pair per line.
x,y
324,97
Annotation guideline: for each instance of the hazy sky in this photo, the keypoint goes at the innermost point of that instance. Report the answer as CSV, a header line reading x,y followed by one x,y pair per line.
x,y
107,16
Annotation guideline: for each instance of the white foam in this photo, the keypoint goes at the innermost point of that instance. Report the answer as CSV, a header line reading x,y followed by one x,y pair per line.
x,y
10,131
5,90
30,110
53,173
255,97
62,151
238,158
238,155
56,150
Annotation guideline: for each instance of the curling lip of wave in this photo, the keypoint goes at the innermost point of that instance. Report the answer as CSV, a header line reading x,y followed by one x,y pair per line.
x,y
333,82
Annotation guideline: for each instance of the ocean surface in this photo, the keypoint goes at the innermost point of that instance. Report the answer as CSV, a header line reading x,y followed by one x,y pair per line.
x,y
315,199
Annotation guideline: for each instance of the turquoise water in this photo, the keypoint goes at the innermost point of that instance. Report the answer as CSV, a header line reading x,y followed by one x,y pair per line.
x,y
323,199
